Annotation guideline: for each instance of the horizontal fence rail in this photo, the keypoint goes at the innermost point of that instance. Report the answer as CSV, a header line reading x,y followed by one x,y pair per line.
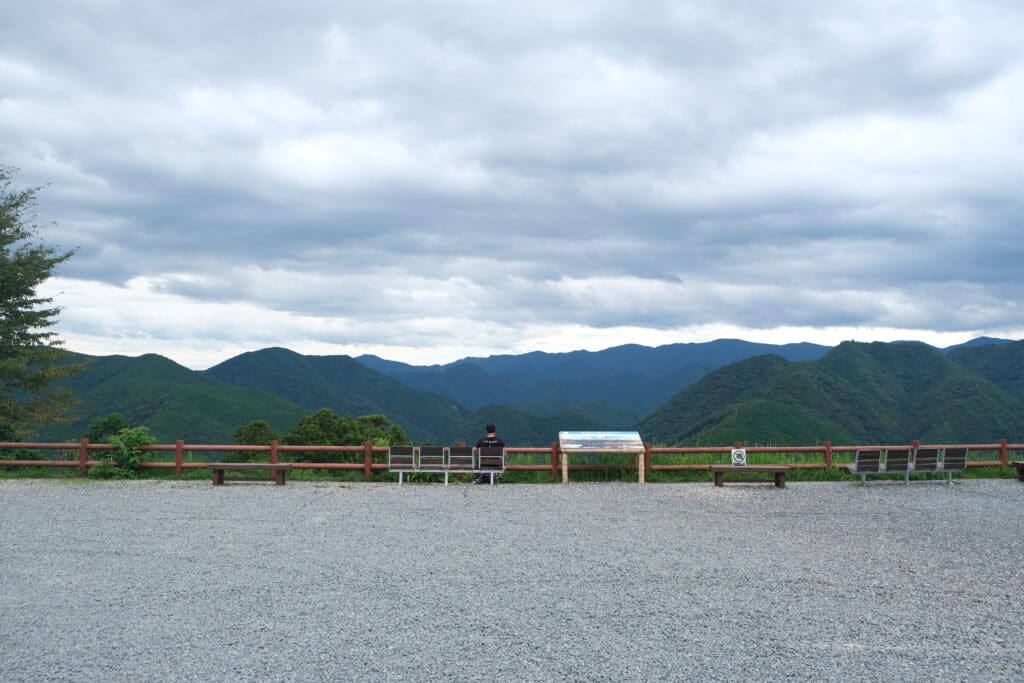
x,y
77,454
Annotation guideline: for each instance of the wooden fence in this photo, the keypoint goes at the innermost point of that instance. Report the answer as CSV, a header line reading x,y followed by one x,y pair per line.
x,y
363,455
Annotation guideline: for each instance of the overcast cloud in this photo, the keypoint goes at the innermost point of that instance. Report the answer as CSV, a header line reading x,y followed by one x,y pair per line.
x,y
387,177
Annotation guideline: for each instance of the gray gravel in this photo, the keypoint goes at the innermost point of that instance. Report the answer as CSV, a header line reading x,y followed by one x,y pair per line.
x,y
173,581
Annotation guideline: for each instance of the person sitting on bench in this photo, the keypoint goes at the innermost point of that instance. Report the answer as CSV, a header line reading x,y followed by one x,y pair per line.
x,y
491,440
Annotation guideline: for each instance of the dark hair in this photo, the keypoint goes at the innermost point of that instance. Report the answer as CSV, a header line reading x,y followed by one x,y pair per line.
x,y
490,429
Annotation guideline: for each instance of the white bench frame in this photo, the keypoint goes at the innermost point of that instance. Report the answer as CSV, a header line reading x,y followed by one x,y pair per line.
x,y
448,463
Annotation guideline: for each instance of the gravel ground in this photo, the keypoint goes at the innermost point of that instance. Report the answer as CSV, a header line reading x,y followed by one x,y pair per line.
x,y
165,581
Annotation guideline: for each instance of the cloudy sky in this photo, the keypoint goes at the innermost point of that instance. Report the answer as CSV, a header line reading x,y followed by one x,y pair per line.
x,y
430,180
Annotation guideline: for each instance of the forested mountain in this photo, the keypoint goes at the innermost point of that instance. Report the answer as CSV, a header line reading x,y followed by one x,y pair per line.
x,y
977,342
173,401
343,385
1002,364
621,383
856,393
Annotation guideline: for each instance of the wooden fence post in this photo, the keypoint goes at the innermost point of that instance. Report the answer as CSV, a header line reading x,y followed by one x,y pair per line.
x,y
83,457
554,461
647,462
179,456
828,454
273,451
1004,453
367,459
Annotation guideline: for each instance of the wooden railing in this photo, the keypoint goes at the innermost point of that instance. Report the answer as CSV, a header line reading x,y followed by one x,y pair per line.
x,y
364,455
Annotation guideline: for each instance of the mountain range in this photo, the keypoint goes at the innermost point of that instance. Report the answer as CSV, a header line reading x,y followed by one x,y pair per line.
x,y
855,394
720,391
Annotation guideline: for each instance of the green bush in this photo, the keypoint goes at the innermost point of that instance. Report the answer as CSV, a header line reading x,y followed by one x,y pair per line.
x,y
123,461
256,433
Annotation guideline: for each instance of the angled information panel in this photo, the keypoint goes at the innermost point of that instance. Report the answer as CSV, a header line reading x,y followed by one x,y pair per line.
x,y
600,442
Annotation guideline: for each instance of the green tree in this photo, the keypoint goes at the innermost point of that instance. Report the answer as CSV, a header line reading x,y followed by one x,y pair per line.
x,y
102,428
256,433
326,428
30,353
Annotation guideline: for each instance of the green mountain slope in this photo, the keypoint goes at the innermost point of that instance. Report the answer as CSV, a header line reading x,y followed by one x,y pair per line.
x,y
173,401
864,393
343,385
517,428
1001,364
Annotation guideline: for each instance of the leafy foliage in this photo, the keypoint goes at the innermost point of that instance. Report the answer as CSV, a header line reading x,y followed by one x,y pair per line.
x,y
30,354
326,428
102,428
123,461
256,433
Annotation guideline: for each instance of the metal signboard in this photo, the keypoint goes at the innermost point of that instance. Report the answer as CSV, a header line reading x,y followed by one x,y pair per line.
x,y
600,442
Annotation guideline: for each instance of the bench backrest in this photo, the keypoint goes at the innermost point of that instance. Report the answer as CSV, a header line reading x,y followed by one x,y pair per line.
x,y
926,459
868,460
897,459
954,459
432,457
461,458
401,457
491,458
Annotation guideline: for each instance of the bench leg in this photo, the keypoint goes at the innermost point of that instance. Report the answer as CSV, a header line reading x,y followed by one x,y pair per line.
x,y
218,477
718,479
279,478
780,480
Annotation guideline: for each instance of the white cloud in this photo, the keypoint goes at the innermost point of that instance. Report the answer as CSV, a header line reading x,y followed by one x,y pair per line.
x,y
322,176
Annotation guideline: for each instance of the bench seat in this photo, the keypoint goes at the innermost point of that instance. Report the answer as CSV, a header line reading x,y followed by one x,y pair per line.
x,y
277,472
777,471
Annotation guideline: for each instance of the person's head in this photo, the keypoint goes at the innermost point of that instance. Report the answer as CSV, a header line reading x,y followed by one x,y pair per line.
x,y
490,429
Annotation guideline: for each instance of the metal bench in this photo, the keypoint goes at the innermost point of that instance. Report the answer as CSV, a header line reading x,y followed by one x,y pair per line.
x,y
277,472
898,460
445,460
